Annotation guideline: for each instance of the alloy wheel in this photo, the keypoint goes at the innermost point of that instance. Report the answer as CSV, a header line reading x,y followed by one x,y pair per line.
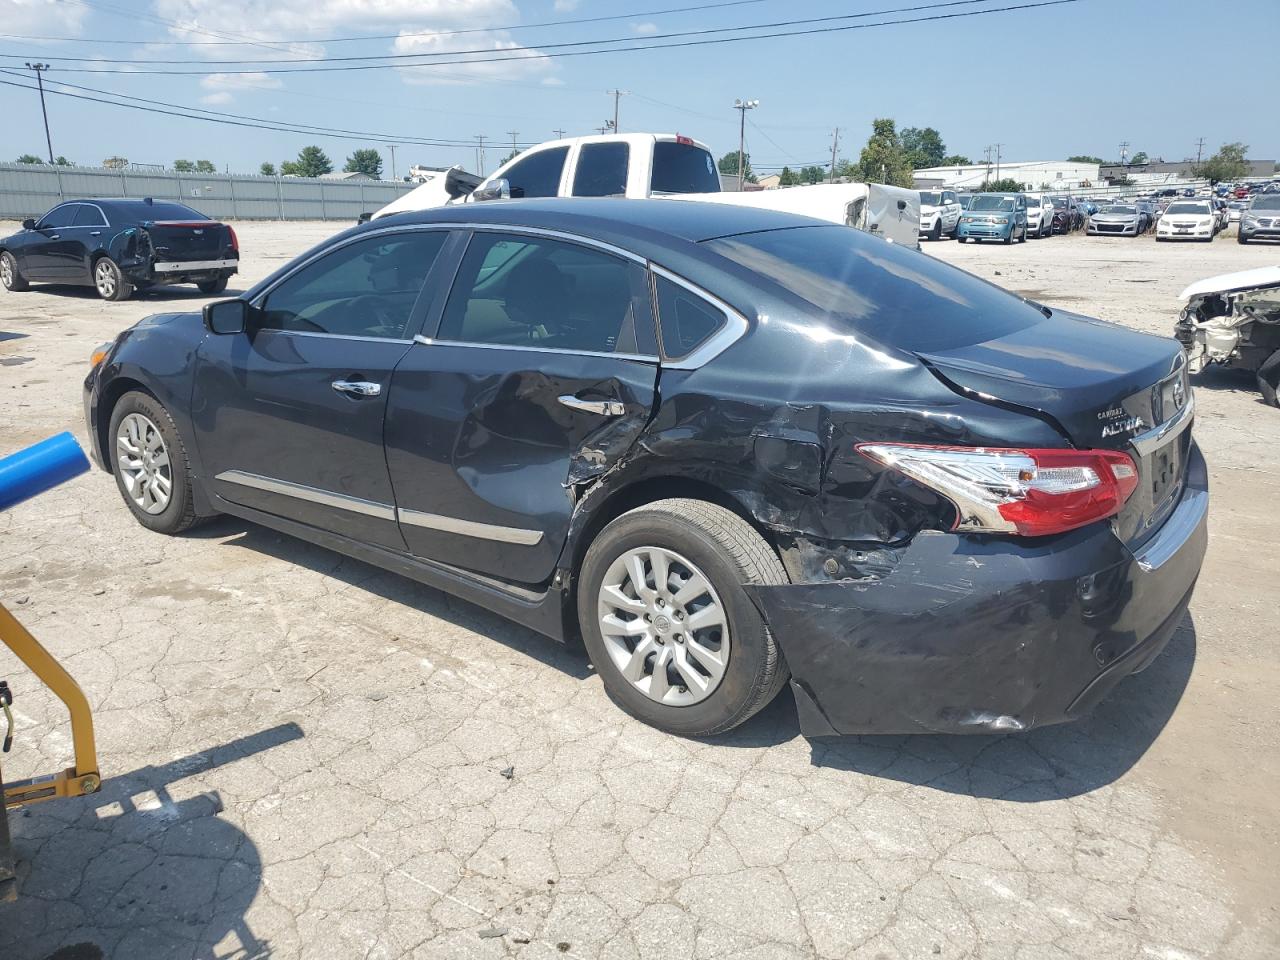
x,y
6,271
104,278
143,463
664,626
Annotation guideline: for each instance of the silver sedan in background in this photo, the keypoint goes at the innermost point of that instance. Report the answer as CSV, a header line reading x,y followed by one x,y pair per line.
x,y
1122,220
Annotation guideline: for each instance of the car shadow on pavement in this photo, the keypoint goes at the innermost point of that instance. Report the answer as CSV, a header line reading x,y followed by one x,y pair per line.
x,y
567,658
131,872
174,292
1048,763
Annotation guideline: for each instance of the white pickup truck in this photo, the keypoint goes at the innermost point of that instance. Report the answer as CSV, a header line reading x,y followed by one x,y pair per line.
x,y
641,165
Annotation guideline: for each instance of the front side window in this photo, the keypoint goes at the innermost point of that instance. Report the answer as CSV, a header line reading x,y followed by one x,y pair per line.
x,y
538,174
523,291
602,170
948,197
62,216
365,289
687,321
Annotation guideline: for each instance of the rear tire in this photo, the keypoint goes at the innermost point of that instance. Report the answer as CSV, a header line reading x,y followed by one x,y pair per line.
x,y
692,538
150,464
10,276
211,288
109,281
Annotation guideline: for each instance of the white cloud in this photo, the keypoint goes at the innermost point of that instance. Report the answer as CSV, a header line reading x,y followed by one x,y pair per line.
x,y
213,99
646,27
514,63
566,6
42,17
226,85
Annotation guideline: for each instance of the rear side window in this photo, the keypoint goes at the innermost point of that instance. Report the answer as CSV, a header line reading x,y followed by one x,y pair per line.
x,y
862,284
602,170
521,291
365,289
687,321
62,216
683,168
89,216
537,175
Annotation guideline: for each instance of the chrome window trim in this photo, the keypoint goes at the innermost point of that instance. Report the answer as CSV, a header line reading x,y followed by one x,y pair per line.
x,y
299,491
734,329
555,235
470,528
334,336
429,342
1147,443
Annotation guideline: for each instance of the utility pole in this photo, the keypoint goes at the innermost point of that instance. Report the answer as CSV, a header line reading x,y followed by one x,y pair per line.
x,y
40,68
514,134
835,143
480,139
617,95
559,133
604,129
999,146
392,148
1199,150
988,152
1124,153
742,106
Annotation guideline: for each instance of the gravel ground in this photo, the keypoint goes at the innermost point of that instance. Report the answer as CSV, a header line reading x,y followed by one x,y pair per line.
x,y
308,757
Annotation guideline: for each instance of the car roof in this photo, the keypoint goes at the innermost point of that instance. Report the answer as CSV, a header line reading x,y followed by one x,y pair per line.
x,y
687,220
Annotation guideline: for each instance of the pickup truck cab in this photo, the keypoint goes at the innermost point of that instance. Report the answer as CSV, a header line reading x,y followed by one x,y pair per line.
x,y
667,165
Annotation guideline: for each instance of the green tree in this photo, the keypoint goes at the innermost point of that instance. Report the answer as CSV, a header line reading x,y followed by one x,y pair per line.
x,y
883,160
311,162
1228,163
183,166
509,157
729,165
62,162
955,160
814,174
1003,185
267,170
29,158
1084,158
924,147
205,166
787,178
368,162
1140,157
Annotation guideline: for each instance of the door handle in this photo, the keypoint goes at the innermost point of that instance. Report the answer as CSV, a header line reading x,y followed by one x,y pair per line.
x,y
357,388
55,236
605,408
95,233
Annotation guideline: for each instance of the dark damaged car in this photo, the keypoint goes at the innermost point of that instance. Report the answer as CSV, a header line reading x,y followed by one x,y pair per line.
x,y
727,447
120,246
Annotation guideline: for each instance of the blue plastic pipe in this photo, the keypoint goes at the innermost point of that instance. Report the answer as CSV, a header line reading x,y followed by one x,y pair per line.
x,y
39,468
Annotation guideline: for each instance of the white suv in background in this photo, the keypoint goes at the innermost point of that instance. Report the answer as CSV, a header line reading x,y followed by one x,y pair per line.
x,y
1039,215
939,213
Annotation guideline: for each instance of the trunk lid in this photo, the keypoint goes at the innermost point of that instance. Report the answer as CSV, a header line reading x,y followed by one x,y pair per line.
x,y
188,241
1102,386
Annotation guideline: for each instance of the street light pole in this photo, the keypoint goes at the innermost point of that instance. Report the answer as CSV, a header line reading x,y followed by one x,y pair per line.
x,y
40,68
742,106
392,148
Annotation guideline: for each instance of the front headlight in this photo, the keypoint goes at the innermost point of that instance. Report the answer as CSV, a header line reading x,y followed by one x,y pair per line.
x,y
1002,220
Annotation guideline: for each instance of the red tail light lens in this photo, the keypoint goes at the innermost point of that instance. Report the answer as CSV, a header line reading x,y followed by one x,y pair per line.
x,y
235,241
1029,492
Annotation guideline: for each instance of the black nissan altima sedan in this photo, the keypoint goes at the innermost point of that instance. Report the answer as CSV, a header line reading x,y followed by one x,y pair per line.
x,y
726,447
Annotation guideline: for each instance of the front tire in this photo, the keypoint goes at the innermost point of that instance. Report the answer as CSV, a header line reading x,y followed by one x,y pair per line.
x,y
936,233
10,276
150,464
109,281
676,640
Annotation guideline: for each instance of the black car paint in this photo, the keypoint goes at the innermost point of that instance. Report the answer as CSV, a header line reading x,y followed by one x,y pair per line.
x,y
889,623
130,237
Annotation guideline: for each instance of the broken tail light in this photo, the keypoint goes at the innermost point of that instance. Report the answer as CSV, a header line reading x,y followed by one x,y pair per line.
x,y
1029,492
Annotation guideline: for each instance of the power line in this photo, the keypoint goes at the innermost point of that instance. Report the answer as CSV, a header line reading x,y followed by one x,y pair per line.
x,y
384,36
523,51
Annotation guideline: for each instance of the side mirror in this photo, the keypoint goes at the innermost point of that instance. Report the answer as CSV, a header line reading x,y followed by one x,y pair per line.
x,y
499,189
902,204
227,316
28,224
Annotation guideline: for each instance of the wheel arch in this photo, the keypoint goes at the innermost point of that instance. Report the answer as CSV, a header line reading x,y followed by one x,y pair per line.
x,y
107,401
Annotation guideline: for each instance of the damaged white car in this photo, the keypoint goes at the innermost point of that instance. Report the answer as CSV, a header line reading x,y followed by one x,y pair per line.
x,y
1234,320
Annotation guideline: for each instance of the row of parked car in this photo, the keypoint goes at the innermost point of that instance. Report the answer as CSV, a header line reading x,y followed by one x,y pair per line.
x,y
1013,217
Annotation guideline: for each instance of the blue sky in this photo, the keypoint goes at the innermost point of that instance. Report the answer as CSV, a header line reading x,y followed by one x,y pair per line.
x,y
1075,78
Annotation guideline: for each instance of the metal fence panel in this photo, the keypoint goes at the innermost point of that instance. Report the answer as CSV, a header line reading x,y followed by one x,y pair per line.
x,y
28,190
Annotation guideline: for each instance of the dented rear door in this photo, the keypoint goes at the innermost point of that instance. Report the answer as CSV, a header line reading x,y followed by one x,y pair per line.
x,y
490,443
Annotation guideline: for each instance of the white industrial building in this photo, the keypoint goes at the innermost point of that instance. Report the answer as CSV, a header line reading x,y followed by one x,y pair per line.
x,y
1033,175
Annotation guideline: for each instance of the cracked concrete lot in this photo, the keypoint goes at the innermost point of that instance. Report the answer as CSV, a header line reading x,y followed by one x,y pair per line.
x,y
305,757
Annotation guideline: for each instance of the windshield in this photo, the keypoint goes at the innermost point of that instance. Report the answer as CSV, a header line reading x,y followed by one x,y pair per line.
x,y
862,284
991,202
930,198
683,168
1060,203
1126,211
1201,208
1267,201
1033,201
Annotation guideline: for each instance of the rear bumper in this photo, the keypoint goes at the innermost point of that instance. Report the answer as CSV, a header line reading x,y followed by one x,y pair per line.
x,y
981,635
194,266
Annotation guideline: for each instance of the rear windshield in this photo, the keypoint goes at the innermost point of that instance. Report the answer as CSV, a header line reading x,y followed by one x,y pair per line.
x,y
158,210
683,168
990,202
900,297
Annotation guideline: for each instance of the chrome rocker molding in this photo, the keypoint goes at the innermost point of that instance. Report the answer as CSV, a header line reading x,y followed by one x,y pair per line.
x,y
471,528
